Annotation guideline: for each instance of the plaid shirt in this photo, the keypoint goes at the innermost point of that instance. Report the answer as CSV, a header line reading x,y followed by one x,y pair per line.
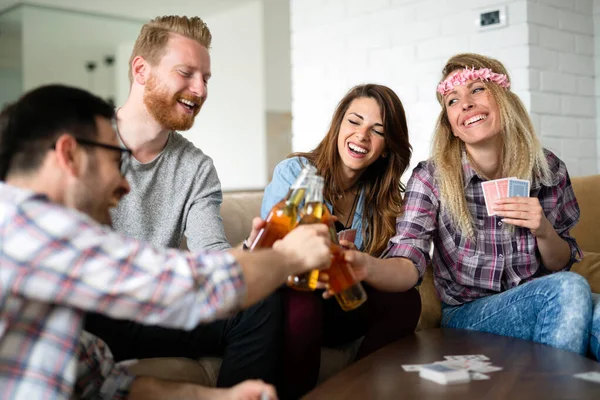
x,y
499,258
58,264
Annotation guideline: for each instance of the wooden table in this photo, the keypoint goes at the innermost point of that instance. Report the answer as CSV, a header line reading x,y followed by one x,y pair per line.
x,y
531,370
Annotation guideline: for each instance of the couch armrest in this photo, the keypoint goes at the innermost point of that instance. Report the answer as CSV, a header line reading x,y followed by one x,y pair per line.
x,y
431,307
589,268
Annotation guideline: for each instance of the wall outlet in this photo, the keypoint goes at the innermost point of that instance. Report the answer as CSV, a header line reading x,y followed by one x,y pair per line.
x,y
491,18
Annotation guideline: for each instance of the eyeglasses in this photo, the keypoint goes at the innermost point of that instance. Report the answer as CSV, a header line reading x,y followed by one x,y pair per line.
x,y
125,161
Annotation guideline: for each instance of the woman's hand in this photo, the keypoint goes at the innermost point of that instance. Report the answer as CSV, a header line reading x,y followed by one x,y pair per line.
x,y
526,212
358,261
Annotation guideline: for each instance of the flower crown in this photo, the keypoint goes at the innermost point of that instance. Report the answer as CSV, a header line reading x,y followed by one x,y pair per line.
x,y
461,77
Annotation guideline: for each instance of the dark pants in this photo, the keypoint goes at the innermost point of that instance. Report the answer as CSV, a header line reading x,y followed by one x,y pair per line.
x,y
249,342
311,322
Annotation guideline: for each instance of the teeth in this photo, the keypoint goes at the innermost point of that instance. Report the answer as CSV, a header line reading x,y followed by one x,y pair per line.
x,y
187,102
474,119
357,149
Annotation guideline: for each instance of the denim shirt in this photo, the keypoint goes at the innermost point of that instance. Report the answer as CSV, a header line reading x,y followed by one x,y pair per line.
x,y
284,175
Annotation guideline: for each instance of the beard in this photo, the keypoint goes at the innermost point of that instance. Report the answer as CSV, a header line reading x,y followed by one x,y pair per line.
x,y
163,107
85,198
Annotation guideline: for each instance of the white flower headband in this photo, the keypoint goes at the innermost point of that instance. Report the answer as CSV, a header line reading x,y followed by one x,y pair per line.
x,y
461,77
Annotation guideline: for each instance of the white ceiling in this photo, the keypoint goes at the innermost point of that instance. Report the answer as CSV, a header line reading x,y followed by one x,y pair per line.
x,y
136,9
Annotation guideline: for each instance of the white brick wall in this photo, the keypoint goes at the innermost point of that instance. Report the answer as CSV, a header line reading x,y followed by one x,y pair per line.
x,y
562,52
548,47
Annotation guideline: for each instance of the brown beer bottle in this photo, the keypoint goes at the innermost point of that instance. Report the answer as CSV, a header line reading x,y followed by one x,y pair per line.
x,y
284,215
311,213
348,290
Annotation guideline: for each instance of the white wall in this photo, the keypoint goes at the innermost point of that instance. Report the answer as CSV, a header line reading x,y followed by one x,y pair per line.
x,y
231,126
405,43
277,55
57,44
11,79
562,73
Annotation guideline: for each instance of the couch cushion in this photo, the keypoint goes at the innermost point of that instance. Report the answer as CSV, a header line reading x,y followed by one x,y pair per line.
x,y
205,371
587,231
238,210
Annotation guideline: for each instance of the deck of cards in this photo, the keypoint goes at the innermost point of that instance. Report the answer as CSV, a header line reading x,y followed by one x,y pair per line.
x,y
455,369
502,188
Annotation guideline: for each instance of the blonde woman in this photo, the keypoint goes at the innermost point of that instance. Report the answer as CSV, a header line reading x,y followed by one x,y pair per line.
x,y
505,273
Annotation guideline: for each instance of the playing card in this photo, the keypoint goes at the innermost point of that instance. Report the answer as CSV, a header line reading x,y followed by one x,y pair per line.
x,y
592,376
518,187
412,367
347,234
478,357
502,185
465,364
476,376
485,369
490,194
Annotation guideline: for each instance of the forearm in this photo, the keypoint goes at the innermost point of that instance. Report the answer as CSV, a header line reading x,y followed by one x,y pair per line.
x,y
392,274
264,271
554,251
147,388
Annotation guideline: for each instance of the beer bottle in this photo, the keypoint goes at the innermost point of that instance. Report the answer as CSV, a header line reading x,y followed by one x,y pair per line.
x,y
284,215
311,213
348,290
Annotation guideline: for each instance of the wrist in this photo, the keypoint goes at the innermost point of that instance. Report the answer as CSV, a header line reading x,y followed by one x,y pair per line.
x,y
288,261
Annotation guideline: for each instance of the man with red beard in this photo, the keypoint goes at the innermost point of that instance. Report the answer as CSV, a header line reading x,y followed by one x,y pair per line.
x,y
176,193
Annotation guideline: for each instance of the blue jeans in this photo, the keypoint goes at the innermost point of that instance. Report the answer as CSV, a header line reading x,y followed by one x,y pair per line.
x,y
555,310
595,334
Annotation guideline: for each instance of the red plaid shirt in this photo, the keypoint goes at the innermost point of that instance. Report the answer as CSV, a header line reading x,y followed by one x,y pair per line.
x,y
496,260
57,264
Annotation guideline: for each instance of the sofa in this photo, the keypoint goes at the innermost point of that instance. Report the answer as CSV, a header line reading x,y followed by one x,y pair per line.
x,y
239,208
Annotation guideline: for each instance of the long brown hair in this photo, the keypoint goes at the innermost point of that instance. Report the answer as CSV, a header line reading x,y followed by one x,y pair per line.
x,y
381,180
522,155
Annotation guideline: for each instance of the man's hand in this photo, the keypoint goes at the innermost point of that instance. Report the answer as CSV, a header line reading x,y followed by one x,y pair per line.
x,y
257,225
251,390
147,388
305,248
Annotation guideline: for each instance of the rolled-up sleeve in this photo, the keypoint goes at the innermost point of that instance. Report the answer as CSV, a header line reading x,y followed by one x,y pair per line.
x,y
416,226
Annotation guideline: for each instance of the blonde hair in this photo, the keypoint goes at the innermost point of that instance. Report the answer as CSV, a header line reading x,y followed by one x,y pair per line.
x,y
153,37
522,154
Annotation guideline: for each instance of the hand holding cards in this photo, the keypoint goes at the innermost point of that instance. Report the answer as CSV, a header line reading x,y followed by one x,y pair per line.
x,y
502,188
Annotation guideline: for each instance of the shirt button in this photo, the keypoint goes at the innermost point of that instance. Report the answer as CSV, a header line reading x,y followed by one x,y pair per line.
x,y
499,223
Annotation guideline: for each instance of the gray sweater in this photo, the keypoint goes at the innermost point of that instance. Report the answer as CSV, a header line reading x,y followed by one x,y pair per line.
x,y
176,194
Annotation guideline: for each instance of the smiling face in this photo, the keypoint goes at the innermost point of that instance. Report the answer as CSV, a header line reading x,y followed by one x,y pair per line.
x,y
361,138
177,87
473,114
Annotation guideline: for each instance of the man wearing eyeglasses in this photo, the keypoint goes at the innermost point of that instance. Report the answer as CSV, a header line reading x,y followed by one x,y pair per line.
x,y
61,170
176,195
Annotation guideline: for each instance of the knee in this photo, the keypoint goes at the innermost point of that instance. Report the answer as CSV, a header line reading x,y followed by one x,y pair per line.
x,y
573,291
